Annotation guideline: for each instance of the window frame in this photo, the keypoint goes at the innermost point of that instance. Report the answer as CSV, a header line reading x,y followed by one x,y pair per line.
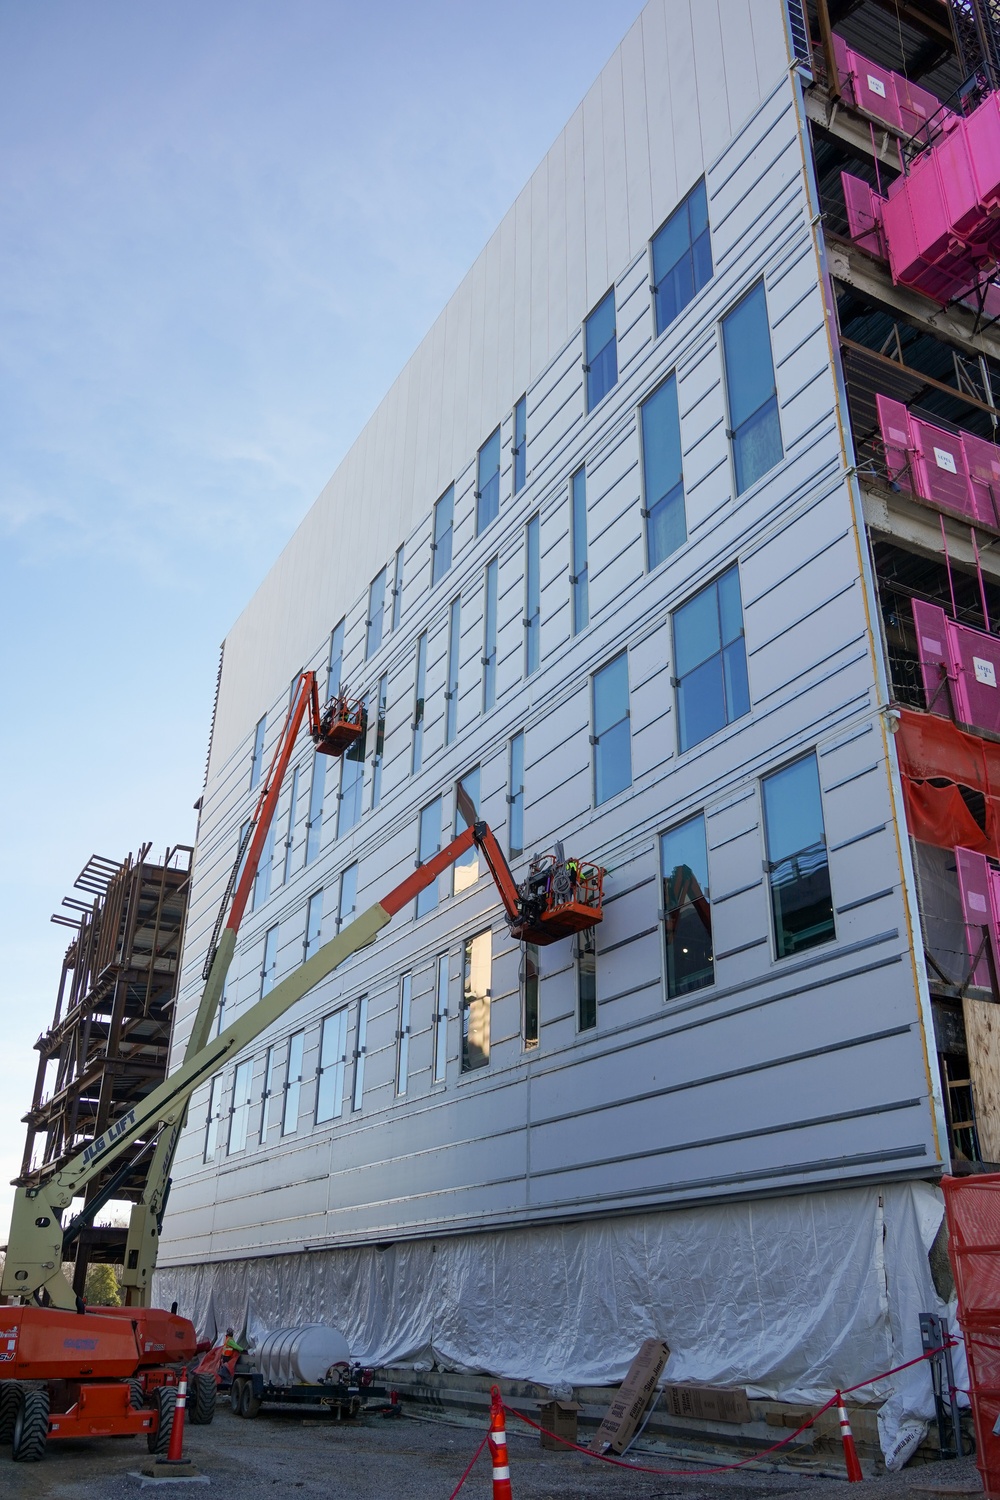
x,y
396,611
289,1122
403,1032
515,795
439,1046
419,705
585,963
532,620
483,1000
596,736
375,618
453,666
770,865
293,798
732,433
530,961
360,1053
317,802
257,753
355,756
438,534
519,447
346,916
378,750
677,680
589,358
684,206
491,591
669,497
487,494
213,1115
309,949
269,961
697,989
335,656
579,575
338,1066
429,893
242,1108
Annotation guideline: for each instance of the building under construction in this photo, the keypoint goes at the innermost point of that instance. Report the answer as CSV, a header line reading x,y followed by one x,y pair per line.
x,y
108,1043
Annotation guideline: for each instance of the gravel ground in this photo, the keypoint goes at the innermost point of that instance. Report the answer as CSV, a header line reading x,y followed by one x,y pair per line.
x,y
412,1459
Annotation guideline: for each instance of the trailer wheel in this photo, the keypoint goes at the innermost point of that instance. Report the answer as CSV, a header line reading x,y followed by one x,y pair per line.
x,y
31,1425
201,1402
235,1392
249,1403
164,1398
136,1395
10,1396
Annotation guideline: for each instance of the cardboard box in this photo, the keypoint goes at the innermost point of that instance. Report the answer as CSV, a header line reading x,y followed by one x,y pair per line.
x,y
711,1403
627,1409
560,1417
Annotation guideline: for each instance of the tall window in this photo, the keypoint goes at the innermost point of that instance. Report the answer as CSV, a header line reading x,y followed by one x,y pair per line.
x,y
314,825
403,1032
451,688
335,665
444,513
265,1098
270,964
476,1001
428,844
611,738
710,660
515,797
663,479
529,995
360,1051
490,636
352,778
586,979
379,754
314,925
601,350
578,551
420,689
753,400
212,1119
239,1113
293,1083
465,871
332,1064
441,1018
797,864
520,443
243,848
397,590
262,879
348,899
532,597
682,257
257,760
488,482
293,803
376,614
686,910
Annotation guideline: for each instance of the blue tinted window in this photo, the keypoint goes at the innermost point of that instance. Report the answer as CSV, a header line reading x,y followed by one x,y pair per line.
x,y
520,444
578,551
360,1052
444,511
490,636
314,826
397,589
293,1083
403,1032
352,775
348,899
666,529
451,687
383,690
441,1019
488,483
270,964
687,914
532,597
753,402
428,844
335,666
682,257
376,611
612,739
601,350
515,797
262,880
257,761
314,924
332,1063
710,661
798,869
293,802
420,688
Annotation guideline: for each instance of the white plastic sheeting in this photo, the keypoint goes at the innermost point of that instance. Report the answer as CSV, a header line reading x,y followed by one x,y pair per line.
x,y
792,1297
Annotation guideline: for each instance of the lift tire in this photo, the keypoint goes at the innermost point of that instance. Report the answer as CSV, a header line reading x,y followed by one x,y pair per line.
x,y
235,1392
201,1400
249,1404
164,1398
31,1425
10,1395
136,1395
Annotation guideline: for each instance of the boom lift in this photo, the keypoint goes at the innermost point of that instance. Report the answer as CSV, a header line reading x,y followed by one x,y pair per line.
x,y
74,1362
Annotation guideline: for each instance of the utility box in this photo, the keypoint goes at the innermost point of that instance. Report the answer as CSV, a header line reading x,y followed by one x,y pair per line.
x,y
561,1418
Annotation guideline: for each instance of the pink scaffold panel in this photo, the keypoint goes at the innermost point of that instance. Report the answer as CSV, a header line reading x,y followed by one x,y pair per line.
x,y
894,421
864,213
934,647
917,106
875,90
976,881
941,472
951,158
982,134
983,460
977,690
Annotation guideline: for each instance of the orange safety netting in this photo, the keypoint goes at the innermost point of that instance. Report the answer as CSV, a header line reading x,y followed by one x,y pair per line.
x,y
934,749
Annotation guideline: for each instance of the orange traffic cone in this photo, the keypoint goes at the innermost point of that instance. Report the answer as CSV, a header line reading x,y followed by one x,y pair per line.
x,y
850,1452
498,1448
177,1430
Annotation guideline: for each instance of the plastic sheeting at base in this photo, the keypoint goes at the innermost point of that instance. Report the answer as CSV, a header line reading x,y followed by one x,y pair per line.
x,y
792,1297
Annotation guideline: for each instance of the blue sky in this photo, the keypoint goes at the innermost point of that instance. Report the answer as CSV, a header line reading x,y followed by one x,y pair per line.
x,y
226,227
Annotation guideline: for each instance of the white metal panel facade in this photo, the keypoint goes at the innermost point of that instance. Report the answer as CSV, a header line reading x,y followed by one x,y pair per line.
x,y
784,1073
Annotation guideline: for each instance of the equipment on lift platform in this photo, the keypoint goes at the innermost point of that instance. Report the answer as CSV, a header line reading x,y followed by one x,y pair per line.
x,y
339,726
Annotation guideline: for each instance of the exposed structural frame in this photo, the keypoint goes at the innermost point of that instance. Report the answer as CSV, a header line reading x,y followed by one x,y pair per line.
x,y
108,1044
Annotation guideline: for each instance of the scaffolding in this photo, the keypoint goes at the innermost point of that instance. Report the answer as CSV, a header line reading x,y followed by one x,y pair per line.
x,y
107,1046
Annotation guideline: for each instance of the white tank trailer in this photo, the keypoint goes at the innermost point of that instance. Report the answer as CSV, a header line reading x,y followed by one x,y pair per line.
x,y
309,1365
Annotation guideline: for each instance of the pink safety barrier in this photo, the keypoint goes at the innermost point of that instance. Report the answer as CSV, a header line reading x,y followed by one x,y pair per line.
x,y
960,668
979,884
880,92
956,470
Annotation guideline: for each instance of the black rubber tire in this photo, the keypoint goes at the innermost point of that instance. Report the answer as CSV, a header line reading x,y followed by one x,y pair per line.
x,y
201,1400
136,1395
249,1405
31,1425
163,1399
10,1395
235,1395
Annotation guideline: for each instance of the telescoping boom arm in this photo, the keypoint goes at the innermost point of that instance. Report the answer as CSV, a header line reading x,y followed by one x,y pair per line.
x,y
36,1248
